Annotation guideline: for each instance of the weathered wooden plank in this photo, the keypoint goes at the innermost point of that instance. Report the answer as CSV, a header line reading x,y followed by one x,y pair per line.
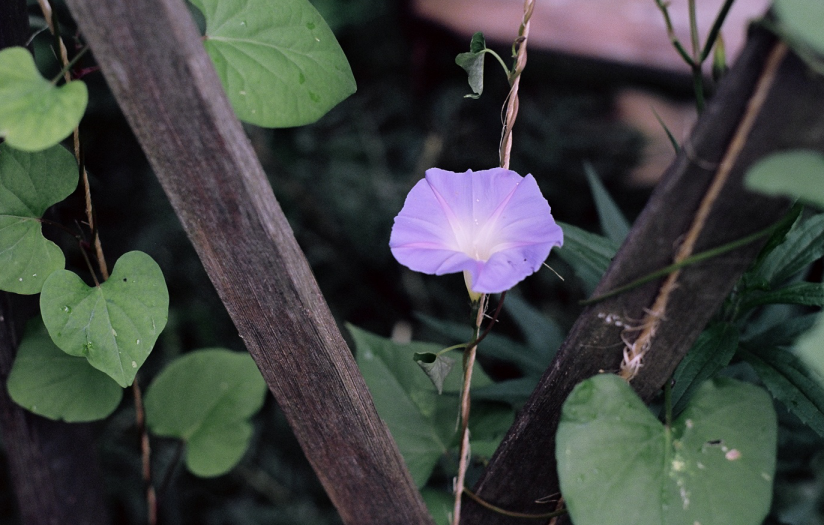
x,y
153,59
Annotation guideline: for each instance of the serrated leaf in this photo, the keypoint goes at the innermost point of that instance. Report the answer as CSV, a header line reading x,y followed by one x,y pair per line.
x,y
436,367
114,325
613,223
52,384
279,62
711,352
618,464
206,399
421,421
803,245
803,18
588,254
788,381
473,63
34,113
29,184
797,173
808,294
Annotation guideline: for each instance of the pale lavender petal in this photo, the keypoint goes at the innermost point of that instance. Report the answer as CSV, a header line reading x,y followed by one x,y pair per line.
x,y
494,224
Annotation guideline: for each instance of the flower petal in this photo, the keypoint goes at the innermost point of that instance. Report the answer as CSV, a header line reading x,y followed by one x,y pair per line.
x,y
494,224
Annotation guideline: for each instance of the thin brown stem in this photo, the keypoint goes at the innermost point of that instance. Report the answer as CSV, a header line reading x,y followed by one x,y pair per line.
x,y
54,27
145,450
469,363
90,215
515,82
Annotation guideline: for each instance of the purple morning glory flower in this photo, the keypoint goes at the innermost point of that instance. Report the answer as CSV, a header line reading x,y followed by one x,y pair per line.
x,y
493,225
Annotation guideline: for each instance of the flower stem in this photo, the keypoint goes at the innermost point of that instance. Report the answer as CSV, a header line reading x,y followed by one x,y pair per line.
x,y
469,363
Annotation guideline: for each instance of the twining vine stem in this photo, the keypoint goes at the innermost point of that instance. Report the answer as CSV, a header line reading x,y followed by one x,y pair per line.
x,y
505,147
54,27
468,365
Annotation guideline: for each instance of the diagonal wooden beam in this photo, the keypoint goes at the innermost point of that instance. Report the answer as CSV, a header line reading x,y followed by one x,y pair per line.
x,y
768,102
153,59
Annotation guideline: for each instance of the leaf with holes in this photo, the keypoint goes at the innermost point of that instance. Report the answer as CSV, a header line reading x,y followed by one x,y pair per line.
x,y
114,325
34,113
279,62
29,184
206,399
51,384
618,464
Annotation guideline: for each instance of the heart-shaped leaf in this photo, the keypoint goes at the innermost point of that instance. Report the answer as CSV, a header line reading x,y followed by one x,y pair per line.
x,y
34,113
206,399
435,366
618,464
473,63
421,421
114,325
279,62
29,184
51,384
794,172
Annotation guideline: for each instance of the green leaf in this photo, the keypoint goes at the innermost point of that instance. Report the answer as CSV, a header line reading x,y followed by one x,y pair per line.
x,y
421,421
803,245
543,336
515,392
613,223
783,227
798,173
712,351
29,184
803,18
440,504
808,294
206,399
618,464
587,253
788,381
34,113
435,366
114,325
810,348
46,381
279,62
494,345
473,63
784,332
